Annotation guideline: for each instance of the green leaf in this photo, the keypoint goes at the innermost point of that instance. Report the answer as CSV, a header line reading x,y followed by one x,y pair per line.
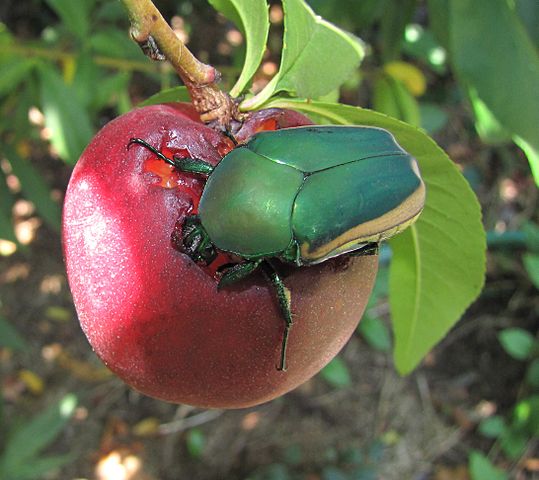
x,y
195,441
487,125
393,98
32,437
350,13
37,467
9,337
174,94
13,72
532,374
438,15
492,52
251,17
433,117
66,118
528,11
493,427
317,57
517,342
481,468
74,15
115,43
531,236
6,205
438,264
336,373
396,17
35,188
375,333
526,416
531,262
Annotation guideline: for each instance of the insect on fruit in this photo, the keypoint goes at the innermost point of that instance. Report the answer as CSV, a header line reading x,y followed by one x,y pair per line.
x,y
300,195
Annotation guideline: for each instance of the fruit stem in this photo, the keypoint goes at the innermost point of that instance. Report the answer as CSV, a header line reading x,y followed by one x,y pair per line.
x,y
159,42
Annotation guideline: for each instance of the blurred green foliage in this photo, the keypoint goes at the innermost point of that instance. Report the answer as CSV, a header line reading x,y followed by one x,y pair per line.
x,y
79,69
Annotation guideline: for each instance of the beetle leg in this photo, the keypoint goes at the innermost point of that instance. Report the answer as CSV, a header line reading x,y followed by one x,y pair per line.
x,y
237,272
367,249
195,241
187,165
283,295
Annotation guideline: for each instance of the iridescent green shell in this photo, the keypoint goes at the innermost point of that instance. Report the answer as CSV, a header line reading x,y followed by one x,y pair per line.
x,y
307,194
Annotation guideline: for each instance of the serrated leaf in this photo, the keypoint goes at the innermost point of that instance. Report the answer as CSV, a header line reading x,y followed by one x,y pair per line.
x,y
174,94
66,118
517,342
317,56
336,373
481,468
251,17
10,337
438,264
34,188
492,52
36,434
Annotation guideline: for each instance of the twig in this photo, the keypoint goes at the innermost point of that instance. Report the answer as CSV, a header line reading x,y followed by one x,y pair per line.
x,y
158,41
189,422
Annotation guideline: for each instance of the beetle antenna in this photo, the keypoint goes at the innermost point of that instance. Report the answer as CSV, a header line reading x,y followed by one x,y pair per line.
x,y
188,165
152,149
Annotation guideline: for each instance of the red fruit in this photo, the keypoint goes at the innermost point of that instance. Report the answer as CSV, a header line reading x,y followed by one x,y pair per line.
x,y
154,316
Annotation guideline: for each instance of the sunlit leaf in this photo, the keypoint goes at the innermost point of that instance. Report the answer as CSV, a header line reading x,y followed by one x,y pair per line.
x,y
438,264
317,57
251,17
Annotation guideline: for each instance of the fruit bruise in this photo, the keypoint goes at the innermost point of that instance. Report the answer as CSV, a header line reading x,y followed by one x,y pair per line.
x,y
155,317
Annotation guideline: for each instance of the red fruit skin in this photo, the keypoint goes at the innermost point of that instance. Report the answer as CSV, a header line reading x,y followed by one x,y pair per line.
x,y
152,315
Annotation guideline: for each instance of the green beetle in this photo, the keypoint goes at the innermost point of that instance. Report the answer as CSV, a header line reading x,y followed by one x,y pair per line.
x,y
302,195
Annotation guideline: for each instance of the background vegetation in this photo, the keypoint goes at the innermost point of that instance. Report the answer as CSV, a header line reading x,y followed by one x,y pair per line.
x,y
465,71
